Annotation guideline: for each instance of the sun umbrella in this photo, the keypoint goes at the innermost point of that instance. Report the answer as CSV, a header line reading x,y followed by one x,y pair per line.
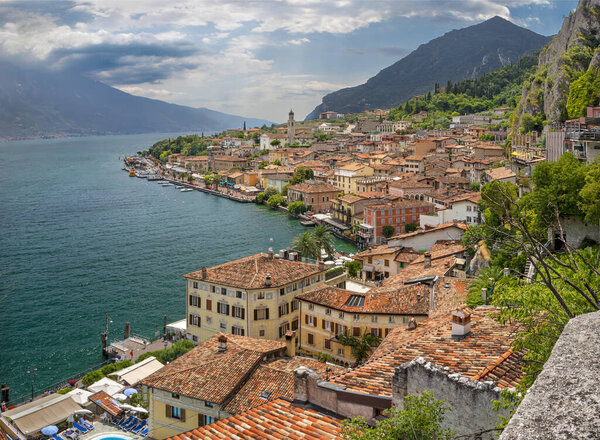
x,y
82,412
140,409
120,396
127,407
49,430
130,391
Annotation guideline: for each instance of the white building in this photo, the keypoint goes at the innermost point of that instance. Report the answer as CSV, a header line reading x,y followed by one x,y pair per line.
x,y
465,210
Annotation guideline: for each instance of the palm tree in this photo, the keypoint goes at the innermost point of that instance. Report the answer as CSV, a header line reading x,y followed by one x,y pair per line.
x,y
305,245
323,239
361,348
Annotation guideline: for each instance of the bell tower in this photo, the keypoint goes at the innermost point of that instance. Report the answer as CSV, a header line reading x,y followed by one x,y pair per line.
x,y
291,128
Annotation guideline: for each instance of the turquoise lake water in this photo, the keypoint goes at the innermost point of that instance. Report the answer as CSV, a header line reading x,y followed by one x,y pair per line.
x,y
81,238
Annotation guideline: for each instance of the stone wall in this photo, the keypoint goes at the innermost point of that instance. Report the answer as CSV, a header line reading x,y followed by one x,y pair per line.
x,y
471,402
564,401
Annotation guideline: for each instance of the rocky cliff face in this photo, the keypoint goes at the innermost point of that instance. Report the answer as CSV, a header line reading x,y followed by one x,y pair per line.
x,y
573,52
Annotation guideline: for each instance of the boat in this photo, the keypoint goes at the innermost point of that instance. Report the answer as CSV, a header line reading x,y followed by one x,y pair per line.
x,y
307,223
179,187
186,190
167,184
132,173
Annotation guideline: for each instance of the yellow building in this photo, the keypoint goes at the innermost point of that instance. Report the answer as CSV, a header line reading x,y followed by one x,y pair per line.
x,y
346,176
254,296
326,312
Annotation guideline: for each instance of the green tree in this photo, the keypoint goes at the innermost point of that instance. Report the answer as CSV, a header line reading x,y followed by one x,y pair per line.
x,y
260,197
475,186
353,267
421,419
284,189
275,200
297,207
276,162
411,227
323,239
92,377
590,194
388,231
178,349
361,347
301,174
485,279
275,142
271,191
305,245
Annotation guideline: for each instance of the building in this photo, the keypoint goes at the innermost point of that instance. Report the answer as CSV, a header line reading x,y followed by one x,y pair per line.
x,y
426,239
252,296
228,162
327,312
395,214
501,174
346,176
381,262
346,207
291,127
463,208
318,195
583,135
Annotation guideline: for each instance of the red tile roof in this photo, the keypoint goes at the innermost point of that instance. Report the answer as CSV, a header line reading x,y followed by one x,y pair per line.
x,y
274,420
251,272
481,355
107,403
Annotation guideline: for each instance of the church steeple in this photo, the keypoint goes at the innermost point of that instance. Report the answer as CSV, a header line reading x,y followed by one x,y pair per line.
x,y
291,127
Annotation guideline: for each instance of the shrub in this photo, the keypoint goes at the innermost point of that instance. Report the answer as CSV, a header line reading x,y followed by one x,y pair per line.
x,y
260,198
353,267
170,354
271,191
297,207
65,390
388,231
275,200
92,377
410,227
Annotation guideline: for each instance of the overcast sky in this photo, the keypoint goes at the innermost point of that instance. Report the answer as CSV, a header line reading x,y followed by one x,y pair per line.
x,y
253,58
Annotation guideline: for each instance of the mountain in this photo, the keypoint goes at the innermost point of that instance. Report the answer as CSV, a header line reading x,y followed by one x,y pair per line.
x,y
459,54
38,103
567,78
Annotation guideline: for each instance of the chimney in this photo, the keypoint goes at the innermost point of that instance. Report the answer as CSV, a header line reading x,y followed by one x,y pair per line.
x,y
427,260
270,253
412,323
203,273
461,323
222,344
290,343
268,280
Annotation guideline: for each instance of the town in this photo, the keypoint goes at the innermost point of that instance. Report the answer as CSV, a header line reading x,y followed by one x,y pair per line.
x,y
290,343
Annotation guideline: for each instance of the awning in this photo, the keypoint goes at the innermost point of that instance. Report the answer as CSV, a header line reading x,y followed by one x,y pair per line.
x,y
107,385
49,410
80,396
134,374
107,403
335,224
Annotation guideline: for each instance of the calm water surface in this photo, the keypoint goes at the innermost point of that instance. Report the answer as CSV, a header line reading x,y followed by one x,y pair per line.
x,y
81,238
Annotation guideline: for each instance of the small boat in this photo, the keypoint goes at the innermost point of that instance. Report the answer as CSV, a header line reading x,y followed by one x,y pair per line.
x,y
179,187
307,223
167,184
186,190
132,173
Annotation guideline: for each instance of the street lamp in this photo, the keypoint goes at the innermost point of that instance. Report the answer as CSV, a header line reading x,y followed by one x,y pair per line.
x,y
31,373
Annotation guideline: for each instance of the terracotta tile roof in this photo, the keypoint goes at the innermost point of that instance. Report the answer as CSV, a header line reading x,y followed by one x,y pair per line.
x,y
459,225
403,300
313,187
441,250
353,166
478,355
383,249
438,267
251,272
106,402
350,198
274,420
500,173
402,203
205,373
275,380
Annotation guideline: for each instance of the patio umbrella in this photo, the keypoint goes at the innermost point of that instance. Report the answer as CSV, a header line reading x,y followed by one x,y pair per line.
x,y
130,391
139,409
49,430
120,396
83,412
127,407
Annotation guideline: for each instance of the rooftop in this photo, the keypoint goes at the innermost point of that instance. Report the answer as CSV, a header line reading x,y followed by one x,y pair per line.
x,y
313,186
273,420
251,272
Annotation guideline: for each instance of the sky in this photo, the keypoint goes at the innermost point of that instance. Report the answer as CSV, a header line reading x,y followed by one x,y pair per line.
x,y
256,58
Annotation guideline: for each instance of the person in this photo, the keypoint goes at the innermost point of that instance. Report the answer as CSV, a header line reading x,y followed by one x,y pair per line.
x,y
131,354
3,407
166,343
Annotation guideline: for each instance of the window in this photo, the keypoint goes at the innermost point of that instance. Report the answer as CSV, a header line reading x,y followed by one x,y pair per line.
x,y
223,291
341,315
294,305
284,309
208,404
356,318
295,324
310,320
281,291
223,308
213,289
341,330
392,319
311,307
204,420
328,312
261,295
175,412
194,301
194,320
468,219
195,284
208,304
283,328
237,330
238,312
356,332
223,326
373,318
261,333
327,344
260,314
386,263
326,325
175,395
310,339
238,294
340,352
